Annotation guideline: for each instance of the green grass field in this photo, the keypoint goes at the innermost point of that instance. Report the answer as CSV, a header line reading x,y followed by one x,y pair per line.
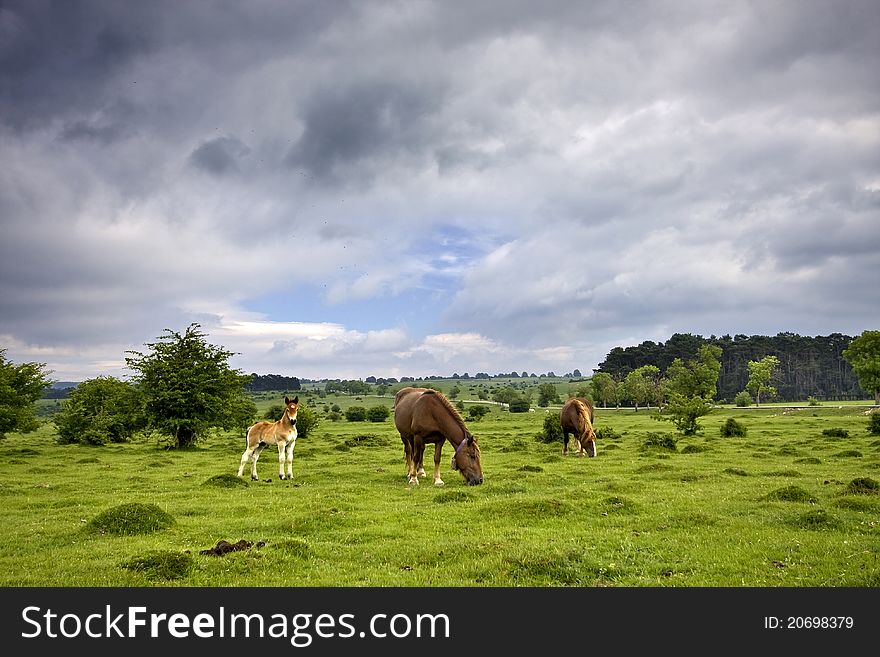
x,y
774,508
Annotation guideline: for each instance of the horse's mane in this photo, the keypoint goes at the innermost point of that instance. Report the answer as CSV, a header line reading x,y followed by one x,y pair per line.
x,y
449,407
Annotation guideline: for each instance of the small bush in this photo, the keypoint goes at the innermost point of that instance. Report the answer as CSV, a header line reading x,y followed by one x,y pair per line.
x,y
874,423
659,441
356,414
477,412
743,399
607,433
519,406
836,432
863,486
732,428
812,401
162,565
307,421
378,413
552,431
132,518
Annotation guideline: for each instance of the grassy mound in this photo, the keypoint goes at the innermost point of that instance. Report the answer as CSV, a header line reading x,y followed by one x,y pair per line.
x,y
162,565
790,494
226,480
132,518
863,486
816,519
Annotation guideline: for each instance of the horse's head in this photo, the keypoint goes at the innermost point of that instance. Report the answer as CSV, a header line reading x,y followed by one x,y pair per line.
x,y
467,460
588,441
290,408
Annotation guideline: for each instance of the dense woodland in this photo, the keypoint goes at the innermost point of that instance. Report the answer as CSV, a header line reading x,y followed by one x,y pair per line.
x,y
809,366
264,382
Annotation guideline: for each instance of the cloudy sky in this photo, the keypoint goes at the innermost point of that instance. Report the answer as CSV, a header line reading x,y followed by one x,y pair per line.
x,y
346,189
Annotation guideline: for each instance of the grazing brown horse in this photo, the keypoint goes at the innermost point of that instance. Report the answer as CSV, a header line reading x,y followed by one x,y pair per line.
x,y
577,418
282,433
422,415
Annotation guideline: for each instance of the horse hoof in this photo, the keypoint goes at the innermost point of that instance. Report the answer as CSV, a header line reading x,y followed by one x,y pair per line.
x,y
253,478
439,483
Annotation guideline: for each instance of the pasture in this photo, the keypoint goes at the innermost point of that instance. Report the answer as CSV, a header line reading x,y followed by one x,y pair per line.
x,y
774,508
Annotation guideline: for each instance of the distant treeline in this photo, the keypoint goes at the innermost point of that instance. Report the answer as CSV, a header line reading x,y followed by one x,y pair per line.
x,y
266,382
809,366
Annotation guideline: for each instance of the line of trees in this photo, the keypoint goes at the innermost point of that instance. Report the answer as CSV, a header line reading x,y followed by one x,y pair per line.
x,y
807,366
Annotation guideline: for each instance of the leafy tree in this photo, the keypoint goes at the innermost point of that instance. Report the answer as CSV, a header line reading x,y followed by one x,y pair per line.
x,y
187,386
378,413
100,411
863,354
641,385
605,389
506,395
454,392
547,395
519,406
20,386
743,399
690,387
356,414
760,375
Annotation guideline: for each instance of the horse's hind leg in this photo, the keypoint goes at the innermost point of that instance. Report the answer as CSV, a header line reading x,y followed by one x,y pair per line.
x,y
257,450
565,443
407,452
244,459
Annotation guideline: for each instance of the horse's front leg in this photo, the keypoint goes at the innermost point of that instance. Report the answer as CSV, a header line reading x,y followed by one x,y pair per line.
x,y
437,448
290,446
282,446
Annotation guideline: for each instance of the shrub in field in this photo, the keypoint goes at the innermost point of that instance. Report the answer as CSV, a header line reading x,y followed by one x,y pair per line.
x,y
732,428
356,414
274,412
552,431
863,486
162,564
306,421
874,423
477,412
378,413
132,518
519,406
812,401
659,441
743,399
607,433
835,432
100,411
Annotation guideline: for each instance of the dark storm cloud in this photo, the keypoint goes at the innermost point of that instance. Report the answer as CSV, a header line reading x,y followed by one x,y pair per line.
x,y
220,155
358,125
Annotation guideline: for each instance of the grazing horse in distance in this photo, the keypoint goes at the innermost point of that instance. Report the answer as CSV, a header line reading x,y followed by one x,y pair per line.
x,y
423,415
577,418
281,433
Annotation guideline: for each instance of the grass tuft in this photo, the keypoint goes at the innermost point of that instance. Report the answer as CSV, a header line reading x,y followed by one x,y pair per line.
x,y
162,565
132,518
790,494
